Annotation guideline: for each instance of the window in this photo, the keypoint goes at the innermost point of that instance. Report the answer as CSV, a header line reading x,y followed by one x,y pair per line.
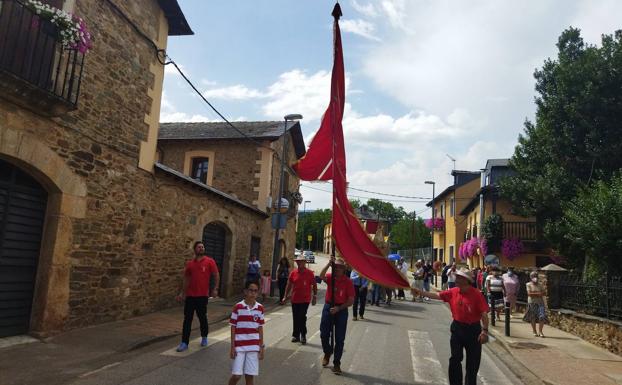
x,y
199,169
452,208
443,210
451,253
441,254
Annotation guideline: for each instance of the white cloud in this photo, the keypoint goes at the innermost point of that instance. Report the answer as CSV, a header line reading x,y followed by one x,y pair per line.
x,y
170,70
170,113
359,27
368,9
235,92
395,11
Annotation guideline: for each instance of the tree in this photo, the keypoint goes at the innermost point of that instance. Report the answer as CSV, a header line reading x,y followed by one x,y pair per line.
x,y
386,210
575,137
592,225
312,223
405,237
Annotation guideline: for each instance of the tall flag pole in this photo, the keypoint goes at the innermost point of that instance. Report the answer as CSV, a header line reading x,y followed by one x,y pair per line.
x,y
326,160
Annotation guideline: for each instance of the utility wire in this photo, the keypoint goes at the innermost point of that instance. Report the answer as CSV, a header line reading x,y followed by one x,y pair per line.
x,y
363,197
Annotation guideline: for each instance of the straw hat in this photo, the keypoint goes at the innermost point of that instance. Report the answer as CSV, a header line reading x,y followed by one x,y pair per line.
x,y
465,273
339,262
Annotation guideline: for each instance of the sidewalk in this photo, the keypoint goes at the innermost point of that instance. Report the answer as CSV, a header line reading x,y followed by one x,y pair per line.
x,y
560,358
57,359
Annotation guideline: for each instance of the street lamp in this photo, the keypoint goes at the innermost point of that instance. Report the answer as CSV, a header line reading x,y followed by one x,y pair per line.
x,y
276,251
432,219
304,225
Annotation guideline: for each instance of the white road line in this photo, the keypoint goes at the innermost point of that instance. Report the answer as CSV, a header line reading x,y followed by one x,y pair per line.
x,y
100,369
303,348
195,345
427,368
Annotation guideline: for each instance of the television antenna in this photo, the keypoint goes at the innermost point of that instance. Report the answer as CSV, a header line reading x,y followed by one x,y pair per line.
x,y
453,160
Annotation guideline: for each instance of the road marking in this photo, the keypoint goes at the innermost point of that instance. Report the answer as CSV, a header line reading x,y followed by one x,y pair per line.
x,y
195,345
276,313
100,369
302,348
427,368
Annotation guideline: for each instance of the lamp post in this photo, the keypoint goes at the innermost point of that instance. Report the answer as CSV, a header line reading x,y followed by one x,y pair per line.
x,y
432,219
276,251
304,225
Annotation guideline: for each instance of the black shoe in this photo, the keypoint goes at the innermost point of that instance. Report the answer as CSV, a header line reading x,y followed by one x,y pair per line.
x,y
337,369
303,340
295,339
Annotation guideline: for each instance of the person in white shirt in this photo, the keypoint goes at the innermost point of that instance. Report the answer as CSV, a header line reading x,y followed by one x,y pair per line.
x,y
496,291
451,276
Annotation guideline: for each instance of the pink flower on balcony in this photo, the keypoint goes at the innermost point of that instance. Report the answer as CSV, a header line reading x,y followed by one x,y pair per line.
x,y
483,246
511,248
435,223
461,251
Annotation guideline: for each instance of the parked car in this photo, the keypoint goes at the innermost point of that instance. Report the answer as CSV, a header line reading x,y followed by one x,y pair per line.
x,y
309,256
297,252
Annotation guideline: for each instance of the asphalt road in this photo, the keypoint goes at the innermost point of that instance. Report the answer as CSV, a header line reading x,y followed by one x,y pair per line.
x,y
405,343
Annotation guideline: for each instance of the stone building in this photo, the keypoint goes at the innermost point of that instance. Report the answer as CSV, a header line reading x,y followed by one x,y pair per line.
x,y
92,227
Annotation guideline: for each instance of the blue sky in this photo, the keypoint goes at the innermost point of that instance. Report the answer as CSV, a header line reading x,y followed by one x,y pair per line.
x,y
424,78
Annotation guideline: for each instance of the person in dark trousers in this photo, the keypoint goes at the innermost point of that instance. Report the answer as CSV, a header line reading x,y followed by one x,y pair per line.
x,y
252,274
300,284
282,274
360,295
196,286
335,313
444,271
469,329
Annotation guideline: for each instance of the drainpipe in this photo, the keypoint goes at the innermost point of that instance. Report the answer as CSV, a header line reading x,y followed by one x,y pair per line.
x,y
481,202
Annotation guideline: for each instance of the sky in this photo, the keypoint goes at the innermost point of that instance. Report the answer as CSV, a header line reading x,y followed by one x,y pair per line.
x,y
426,80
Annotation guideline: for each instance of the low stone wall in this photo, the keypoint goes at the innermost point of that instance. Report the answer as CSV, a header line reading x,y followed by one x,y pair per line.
x,y
598,331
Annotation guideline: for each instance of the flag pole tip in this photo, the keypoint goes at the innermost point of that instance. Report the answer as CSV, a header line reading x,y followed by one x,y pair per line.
x,y
337,11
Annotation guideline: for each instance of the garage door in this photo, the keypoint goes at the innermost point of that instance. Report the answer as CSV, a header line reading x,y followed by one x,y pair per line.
x,y
22,212
214,239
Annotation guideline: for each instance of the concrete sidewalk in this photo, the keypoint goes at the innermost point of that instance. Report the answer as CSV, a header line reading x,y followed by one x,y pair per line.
x,y
560,358
58,359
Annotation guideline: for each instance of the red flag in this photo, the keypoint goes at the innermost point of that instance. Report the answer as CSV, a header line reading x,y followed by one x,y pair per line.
x,y
325,160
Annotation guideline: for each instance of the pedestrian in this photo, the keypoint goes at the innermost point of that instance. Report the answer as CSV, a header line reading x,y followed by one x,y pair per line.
x,y
451,276
301,284
282,273
445,269
494,286
536,312
511,285
403,268
247,347
195,293
418,281
252,274
266,280
427,276
389,295
375,294
360,295
335,312
469,329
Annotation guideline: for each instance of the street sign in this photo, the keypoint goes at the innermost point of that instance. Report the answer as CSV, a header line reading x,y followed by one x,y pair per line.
x,y
309,237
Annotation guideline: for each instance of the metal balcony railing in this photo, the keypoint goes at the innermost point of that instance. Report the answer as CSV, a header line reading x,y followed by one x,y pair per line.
x,y
31,50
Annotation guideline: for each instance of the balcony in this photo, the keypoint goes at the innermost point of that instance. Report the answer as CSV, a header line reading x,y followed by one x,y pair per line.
x,y
525,231
36,71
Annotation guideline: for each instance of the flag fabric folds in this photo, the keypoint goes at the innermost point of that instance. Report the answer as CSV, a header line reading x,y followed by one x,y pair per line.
x,y
326,160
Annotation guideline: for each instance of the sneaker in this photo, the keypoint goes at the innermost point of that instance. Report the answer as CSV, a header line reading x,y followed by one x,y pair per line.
x,y
182,347
204,341
355,319
303,340
326,360
361,317
295,339
337,369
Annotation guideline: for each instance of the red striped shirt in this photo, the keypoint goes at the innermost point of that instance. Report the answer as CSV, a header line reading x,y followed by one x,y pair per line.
x,y
247,321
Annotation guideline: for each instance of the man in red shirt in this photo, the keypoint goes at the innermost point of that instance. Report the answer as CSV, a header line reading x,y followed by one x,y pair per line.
x,y
335,312
196,286
300,284
469,329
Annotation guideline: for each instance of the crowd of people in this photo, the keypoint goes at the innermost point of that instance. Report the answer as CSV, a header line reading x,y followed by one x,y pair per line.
x,y
468,293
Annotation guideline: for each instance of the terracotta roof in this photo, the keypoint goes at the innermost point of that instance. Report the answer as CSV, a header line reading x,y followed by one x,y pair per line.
x,y
221,130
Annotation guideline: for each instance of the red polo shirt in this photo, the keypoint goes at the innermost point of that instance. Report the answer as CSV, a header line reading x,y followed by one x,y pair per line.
x,y
344,289
198,273
465,307
302,282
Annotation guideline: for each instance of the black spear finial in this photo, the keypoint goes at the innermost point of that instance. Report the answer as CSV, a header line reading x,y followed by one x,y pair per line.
x,y
337,11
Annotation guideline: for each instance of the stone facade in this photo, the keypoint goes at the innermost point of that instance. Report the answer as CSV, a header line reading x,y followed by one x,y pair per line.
x,y
598,331
116,235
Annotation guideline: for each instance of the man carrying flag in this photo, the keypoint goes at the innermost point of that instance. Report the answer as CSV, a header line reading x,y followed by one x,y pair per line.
x,y
339,297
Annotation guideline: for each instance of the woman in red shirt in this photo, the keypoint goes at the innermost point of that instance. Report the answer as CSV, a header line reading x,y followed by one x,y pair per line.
x,y
469,329
300,284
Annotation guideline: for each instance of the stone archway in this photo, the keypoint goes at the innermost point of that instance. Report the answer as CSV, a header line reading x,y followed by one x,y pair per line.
x,y
66,202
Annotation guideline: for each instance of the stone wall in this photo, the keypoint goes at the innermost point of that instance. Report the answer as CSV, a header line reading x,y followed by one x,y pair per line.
x,y
598,331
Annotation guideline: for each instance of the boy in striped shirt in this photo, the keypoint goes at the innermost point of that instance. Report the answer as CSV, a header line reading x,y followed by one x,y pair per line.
x,y
247,348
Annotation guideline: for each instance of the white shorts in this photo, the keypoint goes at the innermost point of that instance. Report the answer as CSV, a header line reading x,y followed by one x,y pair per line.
x,y
245,363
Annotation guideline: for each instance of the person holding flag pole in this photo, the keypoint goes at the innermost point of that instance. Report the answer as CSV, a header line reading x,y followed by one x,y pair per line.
x,y
339,297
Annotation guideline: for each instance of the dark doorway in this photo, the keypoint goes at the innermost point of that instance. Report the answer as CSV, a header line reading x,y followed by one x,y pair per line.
x,y
214,239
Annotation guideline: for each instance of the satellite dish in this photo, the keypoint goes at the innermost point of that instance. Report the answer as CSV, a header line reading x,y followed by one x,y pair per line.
x,y
491,259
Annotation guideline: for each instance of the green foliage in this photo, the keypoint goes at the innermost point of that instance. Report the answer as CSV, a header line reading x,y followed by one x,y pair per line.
x,y
575,138
312,223
592,225
492,230
409,234
386,210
